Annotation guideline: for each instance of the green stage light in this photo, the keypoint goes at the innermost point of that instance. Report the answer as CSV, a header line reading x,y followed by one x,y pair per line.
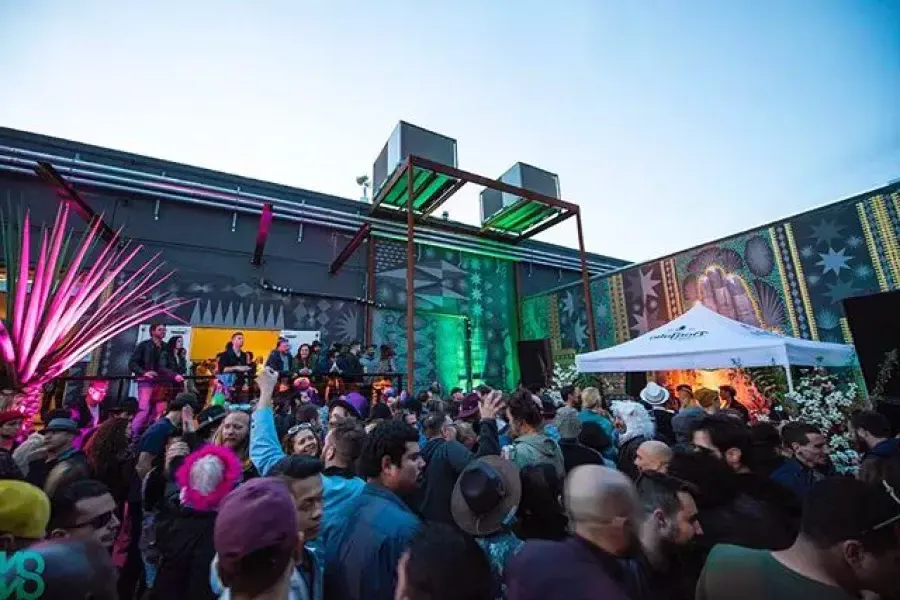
x,y
519,217
428,186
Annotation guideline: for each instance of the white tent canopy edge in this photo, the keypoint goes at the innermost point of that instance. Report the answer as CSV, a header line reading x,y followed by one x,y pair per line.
x,y
704,339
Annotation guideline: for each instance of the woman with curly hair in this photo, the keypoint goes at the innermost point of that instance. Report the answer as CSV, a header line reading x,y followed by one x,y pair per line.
x,y
111,458
234,433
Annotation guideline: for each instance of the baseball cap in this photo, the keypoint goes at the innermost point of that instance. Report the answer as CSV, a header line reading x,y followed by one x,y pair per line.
x,y
24,510
10,415
259,515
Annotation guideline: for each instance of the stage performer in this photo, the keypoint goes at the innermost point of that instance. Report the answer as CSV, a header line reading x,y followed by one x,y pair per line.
x,y
152,364
280,359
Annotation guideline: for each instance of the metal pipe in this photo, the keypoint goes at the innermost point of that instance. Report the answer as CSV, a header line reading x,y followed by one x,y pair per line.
x,y
370,288
588,300
238,195
328,221
247,198
343,225
410,282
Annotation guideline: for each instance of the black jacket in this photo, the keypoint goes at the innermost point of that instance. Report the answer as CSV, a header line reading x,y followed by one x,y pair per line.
x,y
185,540
275,363
576,454
142,360
444,461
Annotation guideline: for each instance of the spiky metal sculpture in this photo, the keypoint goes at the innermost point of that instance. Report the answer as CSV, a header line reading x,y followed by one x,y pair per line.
x,y
62,313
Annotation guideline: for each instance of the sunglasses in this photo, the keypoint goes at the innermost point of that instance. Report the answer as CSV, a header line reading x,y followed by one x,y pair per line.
x,y
298,428
98,522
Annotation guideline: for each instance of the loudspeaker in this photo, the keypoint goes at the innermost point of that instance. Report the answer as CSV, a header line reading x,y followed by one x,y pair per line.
x,y
634,383
876,330
535,363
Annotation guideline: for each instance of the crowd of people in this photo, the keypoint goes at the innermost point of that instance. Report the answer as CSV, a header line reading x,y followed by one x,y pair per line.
x,y
478,495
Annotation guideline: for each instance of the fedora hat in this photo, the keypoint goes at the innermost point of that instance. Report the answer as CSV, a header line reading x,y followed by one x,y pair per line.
x,y
484,495
654,394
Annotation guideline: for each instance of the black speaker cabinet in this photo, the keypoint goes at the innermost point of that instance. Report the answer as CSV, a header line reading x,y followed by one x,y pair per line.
x,y
634,383
535,363
875,327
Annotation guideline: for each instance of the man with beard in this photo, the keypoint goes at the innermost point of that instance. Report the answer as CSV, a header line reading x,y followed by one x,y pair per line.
x,y
377,526
604,509
872,434
670,562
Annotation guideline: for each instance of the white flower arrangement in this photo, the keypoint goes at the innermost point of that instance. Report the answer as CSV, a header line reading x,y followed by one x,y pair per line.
x,y
563,375
822,401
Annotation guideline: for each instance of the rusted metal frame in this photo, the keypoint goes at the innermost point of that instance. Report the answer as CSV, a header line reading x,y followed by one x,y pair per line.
x,y
447,226
517,290
370,289
355,242
586,281
49,175
388,186
410,282
448,193
543,226
494,184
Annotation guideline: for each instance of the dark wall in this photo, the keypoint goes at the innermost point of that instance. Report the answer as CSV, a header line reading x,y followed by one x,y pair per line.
x,y
212,265
465,327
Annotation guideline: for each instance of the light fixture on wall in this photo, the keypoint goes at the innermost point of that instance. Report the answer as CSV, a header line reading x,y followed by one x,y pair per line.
x,y
363,182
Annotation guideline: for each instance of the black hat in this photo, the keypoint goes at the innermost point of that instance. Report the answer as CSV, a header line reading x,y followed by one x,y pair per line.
x,y
485,494
60,424
210,417
125,405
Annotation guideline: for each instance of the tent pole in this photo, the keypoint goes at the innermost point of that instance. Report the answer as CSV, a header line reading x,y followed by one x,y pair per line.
x,y
790,379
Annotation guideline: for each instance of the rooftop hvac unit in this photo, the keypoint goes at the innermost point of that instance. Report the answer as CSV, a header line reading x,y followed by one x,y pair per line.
x,y
409,140
513,214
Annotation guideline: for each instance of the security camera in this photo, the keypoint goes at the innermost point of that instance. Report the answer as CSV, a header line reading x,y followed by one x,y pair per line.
x,y
362,180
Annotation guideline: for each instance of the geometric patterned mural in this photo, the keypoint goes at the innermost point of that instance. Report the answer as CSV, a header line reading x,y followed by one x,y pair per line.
x,y
789,277
455,292
220,301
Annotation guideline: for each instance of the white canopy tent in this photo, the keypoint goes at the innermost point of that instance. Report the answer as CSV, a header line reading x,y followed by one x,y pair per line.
x,y
704,339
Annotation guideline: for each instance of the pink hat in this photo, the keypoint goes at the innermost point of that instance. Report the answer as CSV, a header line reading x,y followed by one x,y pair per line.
x,y
207,475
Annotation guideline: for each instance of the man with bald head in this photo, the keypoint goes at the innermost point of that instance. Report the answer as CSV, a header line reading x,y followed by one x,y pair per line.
x,y
604,511
653,455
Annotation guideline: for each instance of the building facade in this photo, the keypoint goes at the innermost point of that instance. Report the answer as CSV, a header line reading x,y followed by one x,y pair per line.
x,y
205,223
790,276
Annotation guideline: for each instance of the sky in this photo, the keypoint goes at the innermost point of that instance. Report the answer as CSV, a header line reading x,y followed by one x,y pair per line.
x,y
669,123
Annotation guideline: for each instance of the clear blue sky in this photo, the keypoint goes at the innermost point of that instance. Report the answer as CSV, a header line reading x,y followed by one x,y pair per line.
x,y
670,123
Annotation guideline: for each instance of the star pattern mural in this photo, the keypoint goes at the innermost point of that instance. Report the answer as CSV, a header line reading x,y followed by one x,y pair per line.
x,y
791,277
834,267
454,291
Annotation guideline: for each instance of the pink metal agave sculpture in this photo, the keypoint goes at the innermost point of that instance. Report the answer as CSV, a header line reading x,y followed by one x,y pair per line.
x,y
64,314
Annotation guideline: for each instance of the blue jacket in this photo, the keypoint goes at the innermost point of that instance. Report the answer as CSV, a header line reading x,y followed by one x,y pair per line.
x,y
339,489
265,450
572,569
363,546
797,478
338,486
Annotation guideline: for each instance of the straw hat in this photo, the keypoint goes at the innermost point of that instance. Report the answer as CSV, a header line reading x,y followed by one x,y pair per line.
x,y
654,394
